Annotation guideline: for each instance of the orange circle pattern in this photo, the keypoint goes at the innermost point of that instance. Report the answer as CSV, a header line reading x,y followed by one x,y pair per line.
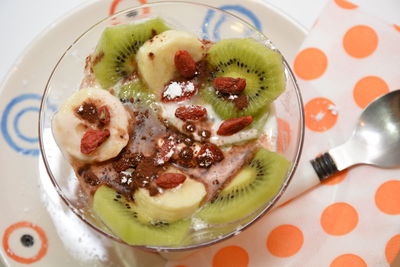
x,y
310,63
348,260
345,4
231,256
42,251
387,197
320,114
368,89
285,241
392,248
397,27
360,41
115,3
339,219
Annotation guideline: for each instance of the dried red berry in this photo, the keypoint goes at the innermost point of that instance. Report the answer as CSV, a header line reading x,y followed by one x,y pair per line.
x,y
185,64
192,113
228,85
92,139
208,155
241,102
232,126
170,180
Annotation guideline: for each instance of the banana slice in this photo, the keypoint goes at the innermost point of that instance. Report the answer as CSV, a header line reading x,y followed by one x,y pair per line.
x,y
172,204
155,58
69,128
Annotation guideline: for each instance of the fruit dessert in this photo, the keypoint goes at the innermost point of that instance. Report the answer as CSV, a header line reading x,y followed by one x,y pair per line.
x,y
167,134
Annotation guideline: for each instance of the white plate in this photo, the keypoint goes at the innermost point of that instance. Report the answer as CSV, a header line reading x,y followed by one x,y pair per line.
x,y
29,203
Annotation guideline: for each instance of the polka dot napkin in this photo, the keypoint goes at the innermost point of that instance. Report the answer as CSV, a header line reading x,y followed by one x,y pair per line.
x,y
349,59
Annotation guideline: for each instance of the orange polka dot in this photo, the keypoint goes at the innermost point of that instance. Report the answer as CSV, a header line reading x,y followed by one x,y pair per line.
x,y
283,135
320,114
397,27
360,41
285,240
310,63
348,260
335,179
387,197
42,236
368,89
231,256
339,219
392,248
345,4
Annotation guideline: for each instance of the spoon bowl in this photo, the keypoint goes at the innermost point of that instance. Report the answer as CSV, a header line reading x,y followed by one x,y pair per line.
x,y
375,141
378,129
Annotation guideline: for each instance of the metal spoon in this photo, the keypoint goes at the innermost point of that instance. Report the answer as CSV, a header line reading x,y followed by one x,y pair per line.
x,y
375,141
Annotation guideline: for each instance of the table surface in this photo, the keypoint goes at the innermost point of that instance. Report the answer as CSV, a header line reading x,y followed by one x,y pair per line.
x,y
28,18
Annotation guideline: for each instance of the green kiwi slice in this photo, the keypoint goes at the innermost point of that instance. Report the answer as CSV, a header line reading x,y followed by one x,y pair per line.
x,y
137,92
256,184
114,57
245,58
120,216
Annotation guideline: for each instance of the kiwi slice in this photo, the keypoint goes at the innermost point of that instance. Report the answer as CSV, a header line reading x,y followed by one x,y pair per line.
x,y
123,220
137,92
256,184
114,57
245,58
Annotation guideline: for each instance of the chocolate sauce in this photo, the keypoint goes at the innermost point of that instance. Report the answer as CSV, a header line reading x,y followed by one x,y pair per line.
x,y
203,71
98,58
135,167
91,178
88,112
147,169
189,127
204,134
186,158
126,159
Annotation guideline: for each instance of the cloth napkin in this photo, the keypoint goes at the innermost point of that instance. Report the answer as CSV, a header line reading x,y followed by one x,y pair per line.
x,y
348,59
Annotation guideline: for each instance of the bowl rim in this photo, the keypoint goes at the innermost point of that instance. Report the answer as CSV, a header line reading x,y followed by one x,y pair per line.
x,y
261,213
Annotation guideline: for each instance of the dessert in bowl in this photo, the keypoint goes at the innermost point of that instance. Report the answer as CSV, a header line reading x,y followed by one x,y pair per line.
x,y
162,137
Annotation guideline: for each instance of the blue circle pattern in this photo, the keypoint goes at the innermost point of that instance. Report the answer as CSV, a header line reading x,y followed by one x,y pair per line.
x,y
238,8
6,117
16,125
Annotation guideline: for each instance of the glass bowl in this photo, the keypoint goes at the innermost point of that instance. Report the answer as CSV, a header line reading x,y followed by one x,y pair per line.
x,y
205,22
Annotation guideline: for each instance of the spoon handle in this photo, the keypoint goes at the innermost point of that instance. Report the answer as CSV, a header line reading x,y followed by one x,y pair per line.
x,y
308,175
304,179
324,166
